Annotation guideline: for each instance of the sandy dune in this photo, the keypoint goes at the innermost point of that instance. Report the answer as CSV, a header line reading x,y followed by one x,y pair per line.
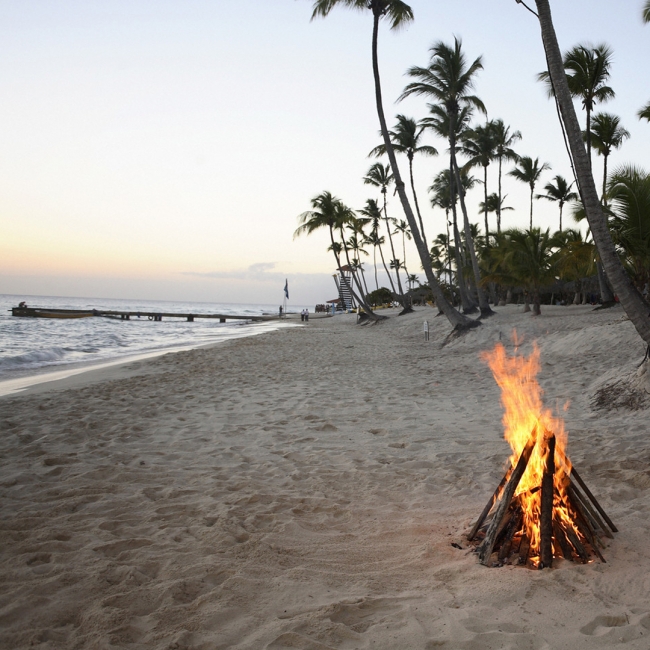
x,y
302,489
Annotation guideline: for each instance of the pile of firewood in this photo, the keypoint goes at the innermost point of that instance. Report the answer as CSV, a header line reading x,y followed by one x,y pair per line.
x,y
566,518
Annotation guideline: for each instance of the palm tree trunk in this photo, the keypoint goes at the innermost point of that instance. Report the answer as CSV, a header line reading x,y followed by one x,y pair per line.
x,y
499,206
392,247
406,271
482,300
606,295
363,277
532,189
390,277
466,301
561,206
448,251
588,133
374,258
630,298
456,319
603,198
415,199
485,204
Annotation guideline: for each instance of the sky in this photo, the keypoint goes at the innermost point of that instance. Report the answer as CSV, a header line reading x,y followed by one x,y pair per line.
x,y
164,149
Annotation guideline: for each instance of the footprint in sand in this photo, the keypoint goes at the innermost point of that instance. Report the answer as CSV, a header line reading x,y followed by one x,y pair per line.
x,y
603,624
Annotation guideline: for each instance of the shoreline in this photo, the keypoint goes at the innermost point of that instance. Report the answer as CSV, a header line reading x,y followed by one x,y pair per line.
x,y
306,489
60,373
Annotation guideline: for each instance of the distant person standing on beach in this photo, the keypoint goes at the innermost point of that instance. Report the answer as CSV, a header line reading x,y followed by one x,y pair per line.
x,y
307,315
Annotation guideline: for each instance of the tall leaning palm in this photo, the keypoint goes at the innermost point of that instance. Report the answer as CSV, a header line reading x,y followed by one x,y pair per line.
x,y
504,151
449,81
398,13
607,134
629,297
559,192
528,171
587,70
406,139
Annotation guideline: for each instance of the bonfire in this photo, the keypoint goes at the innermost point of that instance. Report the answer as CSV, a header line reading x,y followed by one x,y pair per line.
x,y
541,509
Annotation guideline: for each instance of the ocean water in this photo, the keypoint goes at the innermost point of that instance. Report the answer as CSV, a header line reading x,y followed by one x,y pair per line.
x,y
31,346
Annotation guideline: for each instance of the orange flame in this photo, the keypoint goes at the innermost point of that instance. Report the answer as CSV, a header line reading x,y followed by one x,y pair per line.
x,y
525,416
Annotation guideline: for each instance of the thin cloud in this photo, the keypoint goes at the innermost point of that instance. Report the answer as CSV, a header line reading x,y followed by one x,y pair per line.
x,y
258,272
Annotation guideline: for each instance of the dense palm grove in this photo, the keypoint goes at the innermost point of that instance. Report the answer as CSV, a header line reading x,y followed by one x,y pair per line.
x,y
475,262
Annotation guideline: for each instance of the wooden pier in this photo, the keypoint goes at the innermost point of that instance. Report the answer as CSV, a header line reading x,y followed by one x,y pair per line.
x,y
44,312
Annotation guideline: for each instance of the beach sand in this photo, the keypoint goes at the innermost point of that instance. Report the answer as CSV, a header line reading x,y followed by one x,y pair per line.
x,y
302,489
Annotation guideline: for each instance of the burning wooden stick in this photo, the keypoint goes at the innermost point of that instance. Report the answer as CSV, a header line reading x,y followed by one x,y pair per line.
x,y
593,516
488,507
513,526
574,540
561,539
587,491
546,516
485,549
582,522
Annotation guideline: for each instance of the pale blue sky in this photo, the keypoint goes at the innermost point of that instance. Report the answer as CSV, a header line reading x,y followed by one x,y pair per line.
x,y
159,149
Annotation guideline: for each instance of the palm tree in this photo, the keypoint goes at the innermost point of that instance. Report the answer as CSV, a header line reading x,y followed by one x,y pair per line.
x,y
398,13
587,70
560,193
412,279
528,172
328,212
494,205
504,141
449,80
606,134
372,211
406,139
629,297
646,12
380,176
479,145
